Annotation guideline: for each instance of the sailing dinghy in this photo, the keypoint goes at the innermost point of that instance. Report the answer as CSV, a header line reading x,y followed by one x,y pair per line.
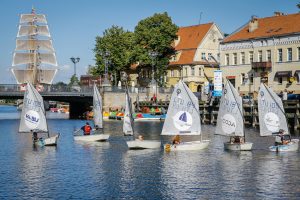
x,y
128,130
272,118
98,121
33,117
183,118
230,121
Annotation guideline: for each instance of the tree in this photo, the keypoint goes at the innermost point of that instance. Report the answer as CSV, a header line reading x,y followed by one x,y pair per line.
x,y
118,43
73,80
155,34
298,5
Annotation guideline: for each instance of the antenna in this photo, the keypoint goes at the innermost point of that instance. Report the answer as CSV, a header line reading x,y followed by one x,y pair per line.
x,y
200,16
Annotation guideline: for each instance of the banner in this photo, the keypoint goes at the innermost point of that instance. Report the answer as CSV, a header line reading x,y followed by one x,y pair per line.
x,y
217,83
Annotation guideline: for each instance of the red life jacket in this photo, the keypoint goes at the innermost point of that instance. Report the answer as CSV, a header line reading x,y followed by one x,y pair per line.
x,y
87,129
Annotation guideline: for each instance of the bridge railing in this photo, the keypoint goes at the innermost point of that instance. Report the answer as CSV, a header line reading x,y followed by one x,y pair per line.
x,y
82,89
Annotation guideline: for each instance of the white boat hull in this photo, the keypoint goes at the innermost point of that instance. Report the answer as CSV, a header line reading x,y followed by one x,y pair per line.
x,y
187,146
144,144
247,146
92,138
291,146
149,119
51,141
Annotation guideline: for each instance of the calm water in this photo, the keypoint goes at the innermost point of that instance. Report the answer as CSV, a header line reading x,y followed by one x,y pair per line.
x,y
109,171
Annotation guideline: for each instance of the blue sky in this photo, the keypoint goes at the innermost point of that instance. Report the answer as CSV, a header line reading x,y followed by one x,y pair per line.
x,y
74,24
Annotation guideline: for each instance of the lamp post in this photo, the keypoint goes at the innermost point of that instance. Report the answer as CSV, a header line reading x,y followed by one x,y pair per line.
x,y
105,56
153,83
75,60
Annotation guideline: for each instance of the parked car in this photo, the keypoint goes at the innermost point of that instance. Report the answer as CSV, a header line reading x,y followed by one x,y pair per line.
x,y
247,99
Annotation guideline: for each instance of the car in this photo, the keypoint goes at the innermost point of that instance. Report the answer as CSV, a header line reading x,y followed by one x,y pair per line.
x,y
247,99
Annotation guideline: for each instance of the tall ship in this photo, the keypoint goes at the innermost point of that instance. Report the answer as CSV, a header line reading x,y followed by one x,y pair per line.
x,y
34,59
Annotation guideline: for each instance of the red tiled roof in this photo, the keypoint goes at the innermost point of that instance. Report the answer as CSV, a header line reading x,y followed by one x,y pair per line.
x,y
268,27
186,57
191,36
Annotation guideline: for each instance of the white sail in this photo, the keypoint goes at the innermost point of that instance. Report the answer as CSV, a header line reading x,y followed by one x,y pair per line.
x,y
28,18
230,116
29,58
33,112
97,108
31,30
183,116
31,45
128,120
27,75
46,75
270,111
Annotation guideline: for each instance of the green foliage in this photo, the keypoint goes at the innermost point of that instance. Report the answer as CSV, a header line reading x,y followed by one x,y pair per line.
x,y
155,34
118,43
73,80
298,5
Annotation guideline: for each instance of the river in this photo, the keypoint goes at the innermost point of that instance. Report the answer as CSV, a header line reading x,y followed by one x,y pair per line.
x,y
108,170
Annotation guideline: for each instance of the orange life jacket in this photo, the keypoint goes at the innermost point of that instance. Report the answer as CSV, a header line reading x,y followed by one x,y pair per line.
x,y
87,129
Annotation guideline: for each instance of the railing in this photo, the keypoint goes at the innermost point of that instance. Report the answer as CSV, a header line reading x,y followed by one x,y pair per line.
x,y
267,64
9,88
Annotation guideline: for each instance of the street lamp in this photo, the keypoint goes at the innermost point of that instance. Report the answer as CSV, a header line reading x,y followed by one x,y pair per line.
x,y
75,60
105,56
153,55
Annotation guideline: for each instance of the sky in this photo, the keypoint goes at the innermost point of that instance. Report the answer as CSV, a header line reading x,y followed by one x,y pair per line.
x,y
74,24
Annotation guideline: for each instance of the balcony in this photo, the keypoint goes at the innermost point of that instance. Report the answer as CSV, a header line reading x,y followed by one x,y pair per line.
x,y
262,65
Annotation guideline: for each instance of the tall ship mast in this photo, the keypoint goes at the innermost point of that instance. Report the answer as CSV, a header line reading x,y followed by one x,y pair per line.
x,y
34,59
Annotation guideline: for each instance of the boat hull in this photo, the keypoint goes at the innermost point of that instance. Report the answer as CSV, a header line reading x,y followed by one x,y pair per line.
x,y
92,138
292,146
187,146
144,144
247,146
51,141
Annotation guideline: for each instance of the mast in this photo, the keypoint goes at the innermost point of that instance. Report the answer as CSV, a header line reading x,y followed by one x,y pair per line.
x,y
34,58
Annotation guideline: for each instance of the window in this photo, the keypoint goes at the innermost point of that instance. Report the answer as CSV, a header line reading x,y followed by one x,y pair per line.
x,y
193,71
289,54
243,78
251,78
186,71
227,59
235,58
251,57
209,56
298,53
203,56
279,55
279,80
243,58
180,73
172,73
269,57
259,56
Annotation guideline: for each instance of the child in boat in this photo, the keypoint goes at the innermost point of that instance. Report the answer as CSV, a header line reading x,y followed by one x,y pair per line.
x,y
176,139
141,138
86,129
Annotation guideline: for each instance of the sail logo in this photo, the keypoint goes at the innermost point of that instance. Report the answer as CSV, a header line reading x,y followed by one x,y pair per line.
x,y
271,121
183,120
32,119
228,124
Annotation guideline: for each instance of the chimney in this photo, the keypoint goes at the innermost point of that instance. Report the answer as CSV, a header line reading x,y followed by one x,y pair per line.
x,y
253,24
278,13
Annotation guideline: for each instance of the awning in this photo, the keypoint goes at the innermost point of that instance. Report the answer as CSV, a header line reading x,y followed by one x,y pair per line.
x,y
283,74
230,77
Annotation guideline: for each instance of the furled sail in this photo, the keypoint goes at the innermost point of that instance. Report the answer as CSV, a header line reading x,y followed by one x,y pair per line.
x,y
128,120
270,111
183,116
31,30
31,45
33,112
27,18
97,108
230,116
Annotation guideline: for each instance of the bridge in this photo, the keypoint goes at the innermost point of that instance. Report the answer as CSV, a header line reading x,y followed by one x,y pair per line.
x,y
80,98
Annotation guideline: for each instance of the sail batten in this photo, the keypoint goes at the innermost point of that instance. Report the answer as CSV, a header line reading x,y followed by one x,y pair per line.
x,y
183,117
230,117
97,108
270,111
33,112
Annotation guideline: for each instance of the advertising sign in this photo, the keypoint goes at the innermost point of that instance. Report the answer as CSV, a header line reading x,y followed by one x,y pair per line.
x,y
217,83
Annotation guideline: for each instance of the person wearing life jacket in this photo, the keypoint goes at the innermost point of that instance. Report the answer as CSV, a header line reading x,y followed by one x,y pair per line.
x,y
86,129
